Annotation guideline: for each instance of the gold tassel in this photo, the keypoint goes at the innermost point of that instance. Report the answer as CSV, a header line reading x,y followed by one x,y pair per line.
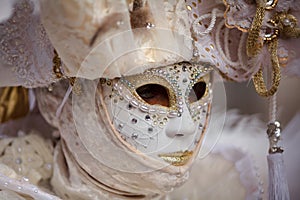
x,y
278,188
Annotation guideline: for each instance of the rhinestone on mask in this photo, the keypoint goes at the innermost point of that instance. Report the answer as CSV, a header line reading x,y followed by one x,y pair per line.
x,y
134,136
134,121
129,106
120,126
149,25
147,118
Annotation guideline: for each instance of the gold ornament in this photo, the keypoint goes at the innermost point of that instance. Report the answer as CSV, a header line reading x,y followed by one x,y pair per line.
x,y
57,69
57,66
286,25
14,103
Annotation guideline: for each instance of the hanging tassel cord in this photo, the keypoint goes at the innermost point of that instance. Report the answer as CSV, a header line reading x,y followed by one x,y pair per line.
x,y
273,108
278,186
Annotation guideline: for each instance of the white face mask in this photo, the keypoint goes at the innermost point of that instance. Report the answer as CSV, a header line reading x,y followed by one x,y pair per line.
x,y
163,111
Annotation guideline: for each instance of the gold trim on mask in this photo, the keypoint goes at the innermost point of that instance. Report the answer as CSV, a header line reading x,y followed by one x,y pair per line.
x,y
140,80
136,81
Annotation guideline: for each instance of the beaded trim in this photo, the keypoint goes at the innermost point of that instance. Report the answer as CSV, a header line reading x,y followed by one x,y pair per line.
x,y
197,71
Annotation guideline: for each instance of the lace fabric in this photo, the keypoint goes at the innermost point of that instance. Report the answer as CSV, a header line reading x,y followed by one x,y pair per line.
x,y
214,32
240,14
213,43
26,52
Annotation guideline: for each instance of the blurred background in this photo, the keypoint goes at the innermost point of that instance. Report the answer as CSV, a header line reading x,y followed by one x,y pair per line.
x,y
243,97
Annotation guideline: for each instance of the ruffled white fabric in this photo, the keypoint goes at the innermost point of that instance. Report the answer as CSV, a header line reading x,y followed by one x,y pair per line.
x,y
114,166
240,14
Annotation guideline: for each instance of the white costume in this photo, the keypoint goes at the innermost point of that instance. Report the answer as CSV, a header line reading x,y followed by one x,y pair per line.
x,y
112,139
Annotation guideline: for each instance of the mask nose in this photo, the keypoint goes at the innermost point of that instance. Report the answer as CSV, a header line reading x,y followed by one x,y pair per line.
x,y
181,126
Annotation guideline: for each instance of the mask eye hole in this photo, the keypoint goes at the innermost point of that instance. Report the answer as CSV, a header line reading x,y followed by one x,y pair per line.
x,y
197,92
154,94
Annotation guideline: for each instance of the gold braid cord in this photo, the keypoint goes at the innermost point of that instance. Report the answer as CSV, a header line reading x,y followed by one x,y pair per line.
x,y
255,42
258,79
254,45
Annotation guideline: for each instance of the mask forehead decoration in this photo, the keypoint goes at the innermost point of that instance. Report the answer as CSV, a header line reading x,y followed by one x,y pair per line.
x,y
163,111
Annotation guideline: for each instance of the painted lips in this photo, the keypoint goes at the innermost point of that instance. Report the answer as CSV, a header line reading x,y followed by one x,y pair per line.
x,y
177,158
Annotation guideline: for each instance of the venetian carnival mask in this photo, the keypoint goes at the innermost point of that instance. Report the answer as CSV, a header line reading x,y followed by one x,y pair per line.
x,y
138,128
163,111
